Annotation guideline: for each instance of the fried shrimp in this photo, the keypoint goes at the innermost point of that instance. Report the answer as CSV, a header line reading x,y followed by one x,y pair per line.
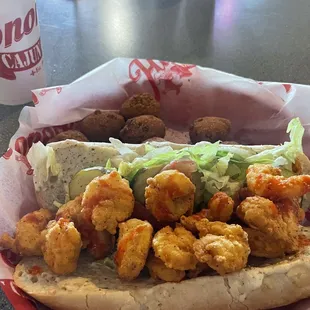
x,y
277,220
107,201
158,270
71,210
175,248
169,195
223,247
200,268
98,243
262,245
220,207
27,239
135,237
267,181
61,246
206,227
189,222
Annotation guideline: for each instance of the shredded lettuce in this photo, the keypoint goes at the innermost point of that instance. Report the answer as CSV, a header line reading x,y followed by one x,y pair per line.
x,y
223,167
42,158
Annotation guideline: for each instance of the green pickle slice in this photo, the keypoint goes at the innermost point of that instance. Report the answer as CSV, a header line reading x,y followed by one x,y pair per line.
x,y
83,178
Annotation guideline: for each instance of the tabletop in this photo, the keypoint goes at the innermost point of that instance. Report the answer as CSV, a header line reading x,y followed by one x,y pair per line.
x,y
260,39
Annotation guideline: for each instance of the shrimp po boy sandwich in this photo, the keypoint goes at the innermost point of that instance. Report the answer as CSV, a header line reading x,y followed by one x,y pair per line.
x,y
161,225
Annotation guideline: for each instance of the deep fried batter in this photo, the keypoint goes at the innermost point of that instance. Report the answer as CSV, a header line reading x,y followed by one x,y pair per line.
x,y
189,222
98,243
61,246
158,270
135,237
140,104
209,129
27,239
220,207
107,201
141,128
267,181
200,268
223,247
279,221
169,195
102,125
262,245
175,248
71,210
69,134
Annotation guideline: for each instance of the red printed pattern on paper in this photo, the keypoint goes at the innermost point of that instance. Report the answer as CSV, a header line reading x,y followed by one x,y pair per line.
x,y
43,92
287,87
10,258
23,144
15,295
169,73
7,155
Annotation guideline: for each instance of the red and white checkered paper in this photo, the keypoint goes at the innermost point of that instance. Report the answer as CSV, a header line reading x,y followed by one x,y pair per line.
x,y
259,112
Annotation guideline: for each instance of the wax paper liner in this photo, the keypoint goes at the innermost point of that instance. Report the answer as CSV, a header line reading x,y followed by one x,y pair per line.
x,y
259,112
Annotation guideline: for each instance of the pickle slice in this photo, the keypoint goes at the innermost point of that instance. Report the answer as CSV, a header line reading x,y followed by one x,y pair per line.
x,y
83,178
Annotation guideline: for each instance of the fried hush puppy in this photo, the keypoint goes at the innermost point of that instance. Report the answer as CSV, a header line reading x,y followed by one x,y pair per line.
x,y
101,125
169,195
107,201
27,238
61,246
141,128
209,129
134,242
69,134
140,104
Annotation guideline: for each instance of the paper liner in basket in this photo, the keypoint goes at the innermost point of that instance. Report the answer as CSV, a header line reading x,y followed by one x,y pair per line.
x,y
259,112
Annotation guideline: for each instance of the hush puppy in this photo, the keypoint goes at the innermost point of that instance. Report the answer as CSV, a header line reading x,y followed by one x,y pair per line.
x,y
69,134
209,129
101,125
141,128
141,104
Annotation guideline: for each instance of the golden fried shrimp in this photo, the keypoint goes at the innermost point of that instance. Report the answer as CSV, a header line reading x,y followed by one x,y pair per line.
x,y
71,210
175,248
200,268
277,220
224,247
206,227
159,271
98,243
134,242
27,239
189,222
266,181
262,245
107,201
220,207
61,246
169,195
